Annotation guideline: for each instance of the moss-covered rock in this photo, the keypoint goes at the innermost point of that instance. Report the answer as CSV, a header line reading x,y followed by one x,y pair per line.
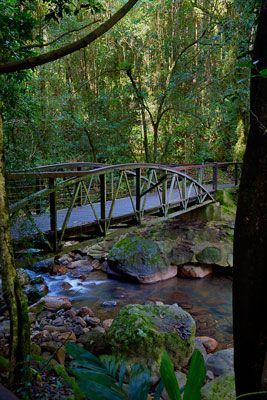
x,y
142,332
209,255
141,259
221,388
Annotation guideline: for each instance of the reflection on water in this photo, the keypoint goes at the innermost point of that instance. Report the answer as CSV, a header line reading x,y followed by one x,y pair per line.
x,y
208,300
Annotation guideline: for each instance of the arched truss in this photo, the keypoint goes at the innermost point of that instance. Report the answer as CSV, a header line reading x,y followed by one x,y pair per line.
x,y
104,195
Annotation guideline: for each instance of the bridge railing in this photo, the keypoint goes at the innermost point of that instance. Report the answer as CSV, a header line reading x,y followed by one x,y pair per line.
x,y
106,190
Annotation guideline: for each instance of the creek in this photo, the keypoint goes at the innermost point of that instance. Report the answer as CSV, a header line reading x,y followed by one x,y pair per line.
x,y
208,300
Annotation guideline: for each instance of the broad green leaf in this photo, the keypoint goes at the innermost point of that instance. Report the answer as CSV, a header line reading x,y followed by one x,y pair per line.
x,y
140,382
168,377
263,72
195,377
97,386
84,358
245,64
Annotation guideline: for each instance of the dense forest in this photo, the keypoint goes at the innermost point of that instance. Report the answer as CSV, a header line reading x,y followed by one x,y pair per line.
x,y
155,81
169,83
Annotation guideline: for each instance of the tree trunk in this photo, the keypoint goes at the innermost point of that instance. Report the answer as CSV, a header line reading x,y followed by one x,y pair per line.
x,y
250,243
14,297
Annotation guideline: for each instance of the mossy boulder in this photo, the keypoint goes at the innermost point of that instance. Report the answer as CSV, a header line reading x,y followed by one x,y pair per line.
x,y
141,259
219,388
209,255
141,333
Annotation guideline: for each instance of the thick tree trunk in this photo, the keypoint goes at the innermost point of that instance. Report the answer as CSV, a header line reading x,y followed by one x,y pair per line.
x,y
250,244
13,295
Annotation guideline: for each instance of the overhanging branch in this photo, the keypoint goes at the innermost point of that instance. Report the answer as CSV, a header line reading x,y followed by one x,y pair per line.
x,y
31,62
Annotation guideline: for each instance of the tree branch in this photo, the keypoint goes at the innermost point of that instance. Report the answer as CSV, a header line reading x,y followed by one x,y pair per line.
x,y
31,62
41,45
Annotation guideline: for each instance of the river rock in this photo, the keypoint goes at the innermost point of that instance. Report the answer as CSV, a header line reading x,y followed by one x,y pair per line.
x,y
60,356
81,263
95,342
209,343
221,362
35,292
55,303
195,271
140,259
220,388
42,266
58,269
141,333
83,311
107,323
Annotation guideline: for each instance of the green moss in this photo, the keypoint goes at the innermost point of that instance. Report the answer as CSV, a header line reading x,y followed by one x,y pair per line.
x,y
209,255
4,364
143,332
220,388
61,371
228,199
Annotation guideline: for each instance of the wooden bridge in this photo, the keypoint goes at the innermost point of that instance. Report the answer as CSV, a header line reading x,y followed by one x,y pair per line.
x,y
58,201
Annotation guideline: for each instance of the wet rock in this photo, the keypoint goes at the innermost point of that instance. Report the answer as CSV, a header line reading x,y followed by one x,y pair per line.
x,y
209,343
81,263
91,321
59,269
107,323
78,330
150,330
55,303
66,285
35,292
96,264
109,303
58,321
35,349
140,259
70,314
63,260
42,266
80,321
221,362
85,311
195,271
181,253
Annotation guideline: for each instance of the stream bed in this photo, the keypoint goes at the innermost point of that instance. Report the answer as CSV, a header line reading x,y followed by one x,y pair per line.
x,y
208,300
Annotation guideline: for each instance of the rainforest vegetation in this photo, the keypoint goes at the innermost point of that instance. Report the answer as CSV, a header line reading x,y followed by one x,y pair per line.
x,y
159,81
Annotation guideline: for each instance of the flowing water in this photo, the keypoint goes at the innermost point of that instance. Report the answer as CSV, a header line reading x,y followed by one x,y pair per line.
x,y
208,300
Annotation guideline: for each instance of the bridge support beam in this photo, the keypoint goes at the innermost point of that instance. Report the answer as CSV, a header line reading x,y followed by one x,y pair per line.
x,y
138,195
53,212
103,200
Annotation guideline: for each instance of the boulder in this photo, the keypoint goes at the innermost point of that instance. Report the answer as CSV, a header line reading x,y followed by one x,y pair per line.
x,y
220,388
195,271
141,333
95,342
42,266
23,277
221,362
140,259
55,303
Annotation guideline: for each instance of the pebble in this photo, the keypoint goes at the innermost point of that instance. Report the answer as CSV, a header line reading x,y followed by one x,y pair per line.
x,y
109,303
85,311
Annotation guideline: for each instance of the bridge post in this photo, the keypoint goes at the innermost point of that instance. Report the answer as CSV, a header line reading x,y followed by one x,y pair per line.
x,y
103,200
164,194
53,212
215,177
38,202
138,195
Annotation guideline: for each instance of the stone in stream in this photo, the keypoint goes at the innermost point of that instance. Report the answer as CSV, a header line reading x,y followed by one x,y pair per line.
x,y
221,362
141,259
141,333
195,271
55,303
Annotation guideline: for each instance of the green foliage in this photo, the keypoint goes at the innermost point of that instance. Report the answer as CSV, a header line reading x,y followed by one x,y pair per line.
x,y
102,378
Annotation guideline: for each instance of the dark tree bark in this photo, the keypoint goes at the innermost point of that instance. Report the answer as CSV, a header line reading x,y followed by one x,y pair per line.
x,y
13,294
250,243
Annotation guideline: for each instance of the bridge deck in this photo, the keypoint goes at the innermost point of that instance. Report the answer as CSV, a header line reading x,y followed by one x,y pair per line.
x,y
82,216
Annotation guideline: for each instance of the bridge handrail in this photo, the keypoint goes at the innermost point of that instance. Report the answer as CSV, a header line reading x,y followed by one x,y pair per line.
x,y
106,168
